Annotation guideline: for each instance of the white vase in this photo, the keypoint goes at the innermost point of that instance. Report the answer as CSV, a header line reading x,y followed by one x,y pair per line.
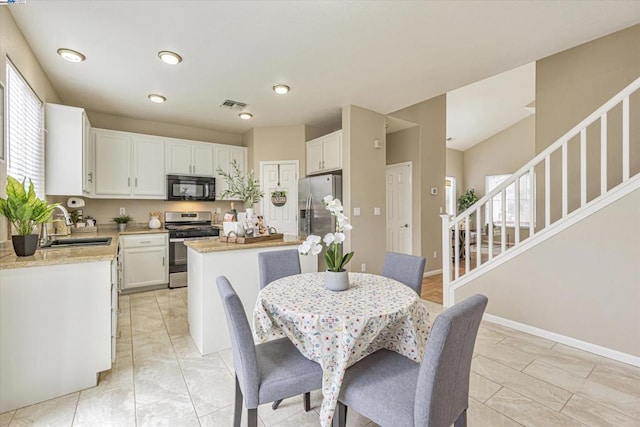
x,y
249,213
336,280
154,222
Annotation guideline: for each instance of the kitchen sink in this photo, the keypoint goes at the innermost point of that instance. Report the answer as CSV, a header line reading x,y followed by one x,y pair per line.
x,y
86,241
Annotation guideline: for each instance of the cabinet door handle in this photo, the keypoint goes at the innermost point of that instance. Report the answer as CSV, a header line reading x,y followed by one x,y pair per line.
x,y
163,261
319,164
136,181
145,242
129,182
90,176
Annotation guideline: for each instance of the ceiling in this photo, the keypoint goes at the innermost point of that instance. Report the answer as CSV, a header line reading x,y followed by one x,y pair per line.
x,y
380,55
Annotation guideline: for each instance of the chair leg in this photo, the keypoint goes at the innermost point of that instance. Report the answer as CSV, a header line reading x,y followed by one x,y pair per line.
x,y
462,420
340,415
252,417
237,409
307,401
275,404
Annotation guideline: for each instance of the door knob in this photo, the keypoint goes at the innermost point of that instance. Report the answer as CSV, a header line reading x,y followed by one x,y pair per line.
x,y
404,226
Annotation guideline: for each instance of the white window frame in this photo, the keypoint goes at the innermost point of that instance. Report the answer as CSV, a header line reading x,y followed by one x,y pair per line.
x,y
491,182
25,131
450,195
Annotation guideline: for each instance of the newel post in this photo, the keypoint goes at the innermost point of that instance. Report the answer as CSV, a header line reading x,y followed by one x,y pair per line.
x,y
446,258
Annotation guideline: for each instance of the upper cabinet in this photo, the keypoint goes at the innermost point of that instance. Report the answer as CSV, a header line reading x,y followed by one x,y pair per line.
x,y
69,159
324,154
223,156
128,165
189,157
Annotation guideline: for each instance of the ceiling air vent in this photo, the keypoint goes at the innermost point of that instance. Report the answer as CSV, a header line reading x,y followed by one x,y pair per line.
x,y
233,105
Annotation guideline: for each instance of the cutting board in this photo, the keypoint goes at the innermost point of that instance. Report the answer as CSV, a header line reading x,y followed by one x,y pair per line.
x,y
256,239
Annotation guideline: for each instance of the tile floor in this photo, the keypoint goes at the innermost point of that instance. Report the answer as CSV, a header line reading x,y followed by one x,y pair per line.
x,y
159,379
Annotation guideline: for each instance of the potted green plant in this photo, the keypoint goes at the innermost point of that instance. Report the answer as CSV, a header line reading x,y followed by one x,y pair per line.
x,y
24,210
467,199
122,221
244,187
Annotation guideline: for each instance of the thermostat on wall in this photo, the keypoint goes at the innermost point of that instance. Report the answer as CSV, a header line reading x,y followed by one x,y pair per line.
x,y
434,191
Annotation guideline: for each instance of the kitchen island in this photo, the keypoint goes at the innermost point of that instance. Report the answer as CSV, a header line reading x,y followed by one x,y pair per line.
x,y
208,259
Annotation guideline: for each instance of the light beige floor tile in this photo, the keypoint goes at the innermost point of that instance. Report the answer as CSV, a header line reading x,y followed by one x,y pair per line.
x,y
288,408
504,355
5,418
210,383
479,415
224,417
489,335
176,410
518,334
526,411
540,391
113,407
109,380
600,393
481,388
227,357
576,352
151,344
623,368
433,309
594,414
185,348
616,378
560,360
157,379
54,413
300,418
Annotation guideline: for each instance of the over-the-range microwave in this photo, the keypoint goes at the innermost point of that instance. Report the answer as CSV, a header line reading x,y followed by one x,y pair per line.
x,y
187,187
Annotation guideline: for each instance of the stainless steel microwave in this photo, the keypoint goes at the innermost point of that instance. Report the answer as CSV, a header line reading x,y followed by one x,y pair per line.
x,y
185,187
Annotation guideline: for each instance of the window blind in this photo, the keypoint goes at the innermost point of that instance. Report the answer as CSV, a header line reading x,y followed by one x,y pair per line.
x,y
25,135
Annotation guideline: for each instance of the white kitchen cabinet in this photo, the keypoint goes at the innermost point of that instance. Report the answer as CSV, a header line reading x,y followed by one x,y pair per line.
x,y
223,156
324,154
69,159
128,165
145,260
189,157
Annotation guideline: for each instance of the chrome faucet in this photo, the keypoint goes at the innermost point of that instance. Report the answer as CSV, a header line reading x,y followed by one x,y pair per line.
x,y
44,236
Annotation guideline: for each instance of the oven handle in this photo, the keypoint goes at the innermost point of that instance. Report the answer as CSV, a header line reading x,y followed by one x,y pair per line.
x,y
182,239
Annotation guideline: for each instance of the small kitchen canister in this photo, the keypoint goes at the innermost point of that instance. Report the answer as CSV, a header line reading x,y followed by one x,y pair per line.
x,y
154,222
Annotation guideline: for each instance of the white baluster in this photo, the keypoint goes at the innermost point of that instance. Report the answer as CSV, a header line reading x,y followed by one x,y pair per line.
x,y
625,139
603,154
565,169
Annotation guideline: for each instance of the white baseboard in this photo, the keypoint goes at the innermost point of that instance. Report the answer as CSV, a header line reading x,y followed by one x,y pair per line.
x,y
432,273
582,345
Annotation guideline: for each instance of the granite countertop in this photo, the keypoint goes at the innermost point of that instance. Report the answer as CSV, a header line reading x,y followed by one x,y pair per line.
x,y
73,255
215,245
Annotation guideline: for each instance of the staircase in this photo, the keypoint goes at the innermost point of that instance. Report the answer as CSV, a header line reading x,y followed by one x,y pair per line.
x,y
576,176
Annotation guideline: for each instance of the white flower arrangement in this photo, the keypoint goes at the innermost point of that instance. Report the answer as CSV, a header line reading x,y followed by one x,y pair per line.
x,y
335,260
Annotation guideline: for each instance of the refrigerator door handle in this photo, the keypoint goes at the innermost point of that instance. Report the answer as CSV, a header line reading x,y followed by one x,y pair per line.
x,y
308,215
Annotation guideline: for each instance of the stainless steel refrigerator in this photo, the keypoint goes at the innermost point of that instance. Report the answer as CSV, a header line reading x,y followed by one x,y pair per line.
x,y
313,217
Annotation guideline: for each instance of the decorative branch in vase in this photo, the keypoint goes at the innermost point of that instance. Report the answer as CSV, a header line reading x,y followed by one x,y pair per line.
x,y
244,187
336,277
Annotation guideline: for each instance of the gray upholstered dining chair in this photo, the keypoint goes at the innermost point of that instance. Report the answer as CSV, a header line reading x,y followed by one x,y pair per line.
x,y
407,269
392,390
274,265
265,372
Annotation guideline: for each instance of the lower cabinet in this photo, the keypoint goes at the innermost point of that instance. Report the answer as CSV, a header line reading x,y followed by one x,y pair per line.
x,y
145,260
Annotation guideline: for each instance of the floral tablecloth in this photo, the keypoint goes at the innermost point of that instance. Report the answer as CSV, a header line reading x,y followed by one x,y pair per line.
x,y
336,329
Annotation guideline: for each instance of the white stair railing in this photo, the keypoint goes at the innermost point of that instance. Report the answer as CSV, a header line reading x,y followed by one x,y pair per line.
x,y
459,245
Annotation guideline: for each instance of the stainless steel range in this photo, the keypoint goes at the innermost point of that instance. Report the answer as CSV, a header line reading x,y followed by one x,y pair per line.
x,y
184,226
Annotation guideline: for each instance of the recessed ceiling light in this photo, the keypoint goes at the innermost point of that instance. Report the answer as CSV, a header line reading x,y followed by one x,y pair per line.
x,y
281,89
71,55
245,116
169,57
159,99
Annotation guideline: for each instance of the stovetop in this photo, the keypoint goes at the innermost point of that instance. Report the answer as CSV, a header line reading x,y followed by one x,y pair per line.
x,y
189,224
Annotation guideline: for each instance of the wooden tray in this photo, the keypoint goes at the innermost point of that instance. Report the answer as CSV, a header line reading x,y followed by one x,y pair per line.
x,y
256,239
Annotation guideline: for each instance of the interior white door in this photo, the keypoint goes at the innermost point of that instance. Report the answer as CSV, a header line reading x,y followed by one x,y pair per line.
x,y
283,218
399,205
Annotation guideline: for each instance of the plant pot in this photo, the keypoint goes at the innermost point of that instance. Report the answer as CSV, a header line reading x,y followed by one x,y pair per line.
x,y
122,227
336,280
25,245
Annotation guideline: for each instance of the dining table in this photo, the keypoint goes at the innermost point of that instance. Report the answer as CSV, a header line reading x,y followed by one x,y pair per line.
x,y
338,328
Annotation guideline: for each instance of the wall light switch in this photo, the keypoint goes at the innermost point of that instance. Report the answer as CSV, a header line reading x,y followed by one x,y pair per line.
x,y
376,211
122,211
356,211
